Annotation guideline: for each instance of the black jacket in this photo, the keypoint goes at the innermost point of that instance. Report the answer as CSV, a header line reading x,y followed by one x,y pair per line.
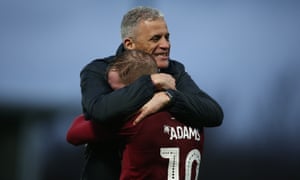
x,y
101,104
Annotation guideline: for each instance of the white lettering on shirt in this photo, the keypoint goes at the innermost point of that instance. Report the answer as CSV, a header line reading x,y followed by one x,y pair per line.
x,y
182,132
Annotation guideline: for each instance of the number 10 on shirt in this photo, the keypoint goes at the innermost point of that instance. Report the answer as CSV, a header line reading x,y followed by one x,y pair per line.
x,y
173,154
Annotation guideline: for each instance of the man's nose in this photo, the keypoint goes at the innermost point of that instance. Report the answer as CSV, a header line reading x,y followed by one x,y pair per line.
x,y
165,43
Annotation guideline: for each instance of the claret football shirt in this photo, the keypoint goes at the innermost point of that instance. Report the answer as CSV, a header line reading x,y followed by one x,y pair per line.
x,y
160,147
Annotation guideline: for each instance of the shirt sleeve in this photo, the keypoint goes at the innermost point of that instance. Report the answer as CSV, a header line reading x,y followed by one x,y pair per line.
x,y
83,131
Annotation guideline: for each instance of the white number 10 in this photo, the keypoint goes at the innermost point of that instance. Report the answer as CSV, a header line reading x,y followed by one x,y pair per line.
x,y
173,169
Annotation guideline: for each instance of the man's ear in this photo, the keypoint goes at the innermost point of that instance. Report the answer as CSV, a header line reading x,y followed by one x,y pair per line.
x,y
128,44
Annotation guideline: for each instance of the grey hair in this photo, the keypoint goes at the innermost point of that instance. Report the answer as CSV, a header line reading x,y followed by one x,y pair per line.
x,y
133,17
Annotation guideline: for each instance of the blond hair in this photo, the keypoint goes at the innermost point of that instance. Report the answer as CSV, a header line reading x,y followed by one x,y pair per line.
x,y
132,64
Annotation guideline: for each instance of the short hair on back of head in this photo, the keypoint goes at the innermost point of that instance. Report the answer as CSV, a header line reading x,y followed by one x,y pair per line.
x,y
132,64
132,18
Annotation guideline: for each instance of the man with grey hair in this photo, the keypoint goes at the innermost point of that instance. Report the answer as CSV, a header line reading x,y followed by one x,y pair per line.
x,y
160,146
173,89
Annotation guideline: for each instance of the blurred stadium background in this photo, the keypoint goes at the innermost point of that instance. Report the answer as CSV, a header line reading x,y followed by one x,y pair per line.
x,y
246,54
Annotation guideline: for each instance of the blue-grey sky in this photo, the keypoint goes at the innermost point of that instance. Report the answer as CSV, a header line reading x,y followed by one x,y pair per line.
x,y
246,54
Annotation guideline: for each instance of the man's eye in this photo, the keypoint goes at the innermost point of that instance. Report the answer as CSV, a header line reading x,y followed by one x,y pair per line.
x,y
167,38
155,38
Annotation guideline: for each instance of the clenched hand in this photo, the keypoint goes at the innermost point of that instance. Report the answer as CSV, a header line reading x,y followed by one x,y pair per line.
x,y
163,81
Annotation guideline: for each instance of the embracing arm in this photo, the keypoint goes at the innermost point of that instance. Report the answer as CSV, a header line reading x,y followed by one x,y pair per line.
x,y
83,131
101,104
190,103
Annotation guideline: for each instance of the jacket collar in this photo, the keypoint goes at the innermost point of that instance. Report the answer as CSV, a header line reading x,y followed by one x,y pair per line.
x,y
120,49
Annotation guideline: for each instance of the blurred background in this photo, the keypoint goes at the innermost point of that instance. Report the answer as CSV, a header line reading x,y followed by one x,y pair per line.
x,y
245,54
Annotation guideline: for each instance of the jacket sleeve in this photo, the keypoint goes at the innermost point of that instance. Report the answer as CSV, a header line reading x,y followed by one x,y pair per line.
x,y
191,104
101,104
